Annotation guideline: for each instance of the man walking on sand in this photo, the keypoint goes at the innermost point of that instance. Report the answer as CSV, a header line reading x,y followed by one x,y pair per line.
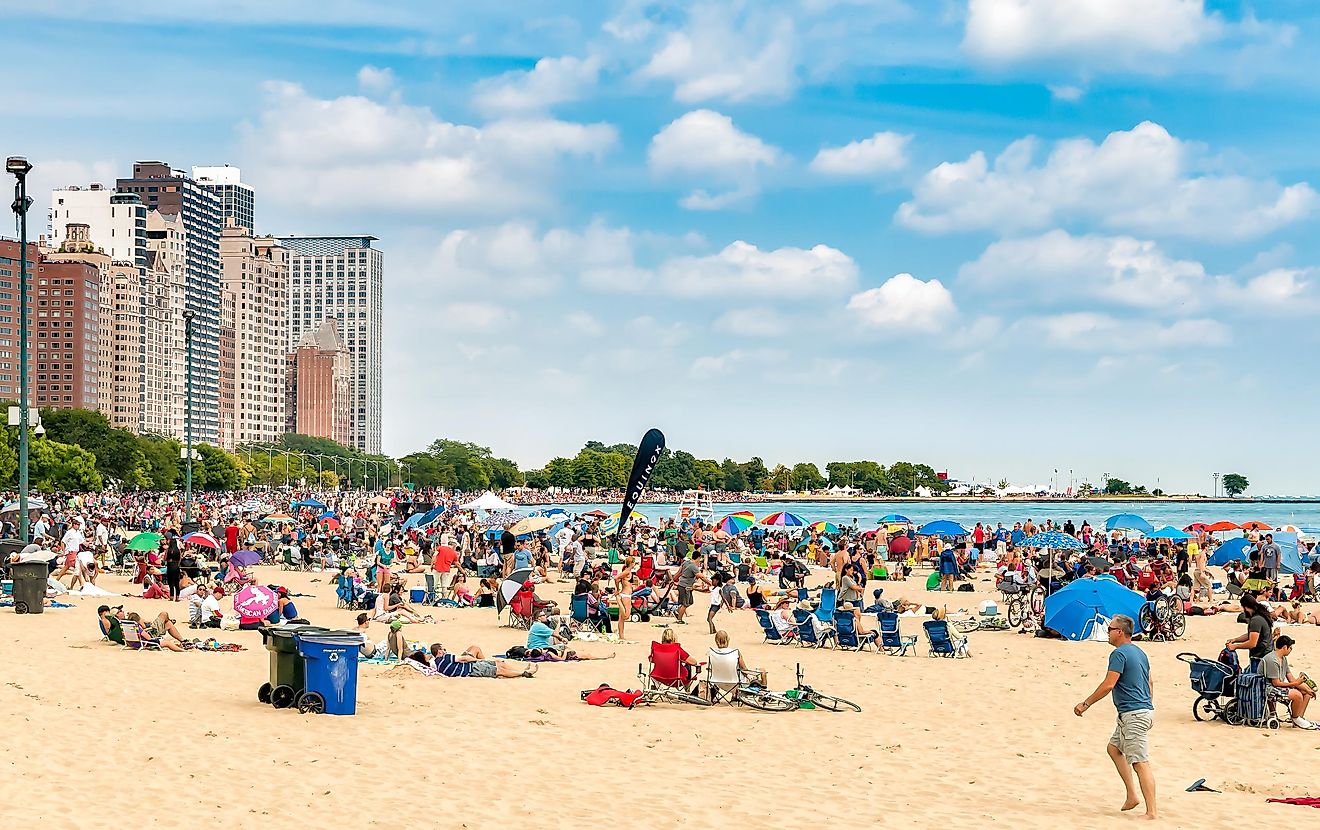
x,y
1129,679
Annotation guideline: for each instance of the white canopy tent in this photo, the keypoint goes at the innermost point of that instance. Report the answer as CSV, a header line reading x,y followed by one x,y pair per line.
x,y
489,501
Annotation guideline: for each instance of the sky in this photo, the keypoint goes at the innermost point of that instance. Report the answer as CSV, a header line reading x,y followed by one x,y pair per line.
x,y
1001,237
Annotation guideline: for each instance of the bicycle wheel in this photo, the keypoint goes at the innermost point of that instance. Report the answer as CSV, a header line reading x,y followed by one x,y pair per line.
x,y
680,696
766,701
967,626
1146,618
1177,622
1163,608
833,704
1017,612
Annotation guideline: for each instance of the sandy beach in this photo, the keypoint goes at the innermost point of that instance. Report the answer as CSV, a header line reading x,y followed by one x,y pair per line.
x,y
97,736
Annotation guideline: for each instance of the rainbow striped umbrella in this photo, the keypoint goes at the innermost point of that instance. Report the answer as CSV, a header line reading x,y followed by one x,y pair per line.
x,y
823,527
783,519
736,523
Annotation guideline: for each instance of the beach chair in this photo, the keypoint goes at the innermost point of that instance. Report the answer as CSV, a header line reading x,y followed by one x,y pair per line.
x,y
828,600
771,633
845,632
520,610
810,631
763,564
134,642
892,641
344,596
286,562
941,643
580,616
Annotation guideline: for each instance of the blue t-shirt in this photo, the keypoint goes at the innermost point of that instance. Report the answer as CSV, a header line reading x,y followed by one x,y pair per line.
x,y
539,635
448,665
522,558
1018,535
1133,689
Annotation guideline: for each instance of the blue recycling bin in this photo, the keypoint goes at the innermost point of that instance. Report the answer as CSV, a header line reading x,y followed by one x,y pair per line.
x,y
330,673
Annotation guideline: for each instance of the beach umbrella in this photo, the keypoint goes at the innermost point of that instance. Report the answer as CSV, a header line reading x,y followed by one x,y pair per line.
x,y
501,518
1076,608
205,540
510,586
1169,532
894,517
1239,549
1197,527
329,523
942,528
531,525
1100,563
430,516
823,527
1128,521
1222,526
245,558
255,602
277,518
783,519
596,514
1053,539
822,542
1255,525
736,523
145,542
310,503
412,521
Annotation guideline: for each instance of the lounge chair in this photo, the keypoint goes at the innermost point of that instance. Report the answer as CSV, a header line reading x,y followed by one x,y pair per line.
x,y
768,628
810,631
845,632
828,600
134,642
941,642
892,641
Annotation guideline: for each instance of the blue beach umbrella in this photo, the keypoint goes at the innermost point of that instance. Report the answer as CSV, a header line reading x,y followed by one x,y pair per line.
x,y
942,528
1076,608
309,503
1054,539
1169,532
821,542
412,521
430,516
1239,549
1129,521
895,518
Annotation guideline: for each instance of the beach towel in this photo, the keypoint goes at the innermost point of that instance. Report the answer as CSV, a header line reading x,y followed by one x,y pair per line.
x,y
604,695
1301,802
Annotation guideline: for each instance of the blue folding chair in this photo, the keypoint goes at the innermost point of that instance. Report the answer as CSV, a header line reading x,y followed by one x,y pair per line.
x,y
892,641
771,633
941,643
810,631
828,600
845,632
579,611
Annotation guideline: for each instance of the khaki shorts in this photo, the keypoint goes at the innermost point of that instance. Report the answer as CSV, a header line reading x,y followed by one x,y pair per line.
x,y
444,579
1201,579
1130,735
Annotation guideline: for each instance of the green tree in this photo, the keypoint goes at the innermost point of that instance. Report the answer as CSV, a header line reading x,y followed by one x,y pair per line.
x,y
1235,484
56,466
1118,487
162,457
806,476
778,480
906,477
218,470
329,480
735,480
755,472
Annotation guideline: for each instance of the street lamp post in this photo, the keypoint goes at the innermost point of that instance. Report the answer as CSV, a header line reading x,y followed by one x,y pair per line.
x,y
188,316
1216,475
20,167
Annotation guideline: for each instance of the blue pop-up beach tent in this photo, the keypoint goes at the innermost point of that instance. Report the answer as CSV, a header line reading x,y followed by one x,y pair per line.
x,y
1078,607
1291,561
1239,549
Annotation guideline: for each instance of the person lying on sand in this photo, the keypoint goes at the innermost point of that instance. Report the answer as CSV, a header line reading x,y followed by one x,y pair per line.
x,y
146,636
473,663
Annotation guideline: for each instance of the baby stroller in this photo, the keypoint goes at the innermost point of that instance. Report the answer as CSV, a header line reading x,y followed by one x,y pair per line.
x,y
1215,684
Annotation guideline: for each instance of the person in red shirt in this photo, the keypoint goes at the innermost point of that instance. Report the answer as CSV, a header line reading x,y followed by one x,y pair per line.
x,y
231,538
443,565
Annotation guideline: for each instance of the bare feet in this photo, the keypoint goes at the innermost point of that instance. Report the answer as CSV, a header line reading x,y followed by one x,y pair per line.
x,y
1150,816
1130,804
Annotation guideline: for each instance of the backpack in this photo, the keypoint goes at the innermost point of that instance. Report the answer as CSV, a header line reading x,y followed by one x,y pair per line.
x,y
516,653
603,695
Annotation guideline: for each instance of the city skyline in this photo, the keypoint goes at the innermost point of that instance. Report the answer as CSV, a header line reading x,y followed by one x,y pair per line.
x,y
995,243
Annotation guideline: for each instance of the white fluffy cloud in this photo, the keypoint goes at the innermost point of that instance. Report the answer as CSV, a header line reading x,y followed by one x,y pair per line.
x,y
1059,267
476,316
744,269
325,153
905,303
705,146
1010,31
757,321
375,80
884,152
728,52
1091,331
552,81
1141,179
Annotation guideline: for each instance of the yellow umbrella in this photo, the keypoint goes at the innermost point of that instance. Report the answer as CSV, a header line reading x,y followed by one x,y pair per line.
x,y
531,525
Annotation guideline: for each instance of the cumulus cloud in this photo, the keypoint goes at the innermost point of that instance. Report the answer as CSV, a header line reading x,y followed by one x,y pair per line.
x,y
727,52
1011,31
1141,179
1059,267
904,303
373,80
552,81
389,155
584,323
884,152
477,316
706,146
757,321
1092,331
744,269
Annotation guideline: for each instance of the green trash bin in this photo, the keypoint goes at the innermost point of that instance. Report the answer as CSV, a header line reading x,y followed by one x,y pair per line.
x,y
286,664
29,586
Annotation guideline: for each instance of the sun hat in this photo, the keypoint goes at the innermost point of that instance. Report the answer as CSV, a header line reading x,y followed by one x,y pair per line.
x,y
805,605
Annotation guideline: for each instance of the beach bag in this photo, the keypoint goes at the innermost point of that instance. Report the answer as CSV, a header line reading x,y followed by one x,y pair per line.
x,y
229,622
604,695
516,653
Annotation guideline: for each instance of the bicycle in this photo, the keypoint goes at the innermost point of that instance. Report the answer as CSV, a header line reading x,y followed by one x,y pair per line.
x,y
803,693
1163,619
751,691
654,691
1027,606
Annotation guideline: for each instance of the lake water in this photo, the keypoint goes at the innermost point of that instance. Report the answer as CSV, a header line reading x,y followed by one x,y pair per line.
x,y
867,514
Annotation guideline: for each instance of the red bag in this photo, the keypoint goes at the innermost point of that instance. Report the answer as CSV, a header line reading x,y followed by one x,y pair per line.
x,y
604,695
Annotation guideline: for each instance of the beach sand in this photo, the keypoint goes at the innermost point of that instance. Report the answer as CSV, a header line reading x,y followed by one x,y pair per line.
x,y
97,736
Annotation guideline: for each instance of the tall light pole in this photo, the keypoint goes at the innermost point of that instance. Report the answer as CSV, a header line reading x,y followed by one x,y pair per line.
x,y
1216,485
20,167
188,316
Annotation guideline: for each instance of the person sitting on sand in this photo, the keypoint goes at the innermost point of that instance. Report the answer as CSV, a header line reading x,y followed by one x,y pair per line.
x,y
211,614
459,589
162,625
540,635
146,636
473,663
390,607
111,621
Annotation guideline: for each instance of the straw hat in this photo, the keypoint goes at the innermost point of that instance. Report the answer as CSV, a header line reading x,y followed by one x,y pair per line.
x,y
805,605
847,606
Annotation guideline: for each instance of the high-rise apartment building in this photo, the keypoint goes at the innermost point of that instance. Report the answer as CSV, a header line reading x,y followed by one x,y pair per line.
x,y
341,278
10,256
256,281
66,340
237,200
116,222
227,369
319,381
174,193
165,298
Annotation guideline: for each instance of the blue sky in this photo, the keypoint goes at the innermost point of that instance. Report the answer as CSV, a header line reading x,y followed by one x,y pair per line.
x,y
997,236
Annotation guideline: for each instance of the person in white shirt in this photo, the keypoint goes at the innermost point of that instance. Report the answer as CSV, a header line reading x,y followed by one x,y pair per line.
x,y
73,542
211,614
